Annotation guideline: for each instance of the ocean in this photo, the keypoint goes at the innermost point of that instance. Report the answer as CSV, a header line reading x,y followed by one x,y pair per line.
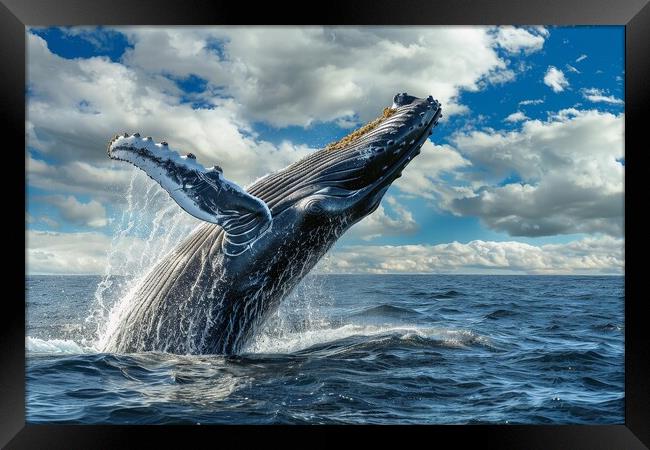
x,y
348,349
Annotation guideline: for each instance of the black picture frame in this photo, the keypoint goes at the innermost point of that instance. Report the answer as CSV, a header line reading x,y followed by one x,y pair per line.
x,y
15,15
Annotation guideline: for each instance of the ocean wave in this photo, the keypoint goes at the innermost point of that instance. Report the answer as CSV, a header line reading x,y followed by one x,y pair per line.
x,y
387,311
606,327
295,342
435,295
385,350
55,346
499,314
338,339
566,357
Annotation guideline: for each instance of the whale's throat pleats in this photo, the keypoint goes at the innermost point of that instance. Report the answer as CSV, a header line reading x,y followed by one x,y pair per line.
x,y
204,298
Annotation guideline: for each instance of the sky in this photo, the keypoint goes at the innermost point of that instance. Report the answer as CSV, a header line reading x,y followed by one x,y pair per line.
x,y
523,175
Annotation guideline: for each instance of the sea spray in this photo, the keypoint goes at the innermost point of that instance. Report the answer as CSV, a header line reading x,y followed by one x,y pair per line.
x,y
100,309
300,314
149,227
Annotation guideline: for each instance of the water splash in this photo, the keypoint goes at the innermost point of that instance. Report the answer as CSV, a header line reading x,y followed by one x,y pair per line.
x,y
54,346
150,226
300,314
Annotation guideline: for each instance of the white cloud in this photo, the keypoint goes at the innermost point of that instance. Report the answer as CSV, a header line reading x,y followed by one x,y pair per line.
x,y
516,117
581,57
47,220
592,255
91,214
500,76
100,38
52,252
99,180
570,179
298,75
150,227
537,101
382,223
282,75
598,96
58,253
116,98
422,176
555,79
570,68
515,40
541,30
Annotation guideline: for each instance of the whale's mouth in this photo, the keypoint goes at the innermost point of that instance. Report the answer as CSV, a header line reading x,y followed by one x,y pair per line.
x,y
395,171
358,168
377,153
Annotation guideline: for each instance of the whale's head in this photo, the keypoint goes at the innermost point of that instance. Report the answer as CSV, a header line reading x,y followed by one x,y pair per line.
x,y
334,187
348,178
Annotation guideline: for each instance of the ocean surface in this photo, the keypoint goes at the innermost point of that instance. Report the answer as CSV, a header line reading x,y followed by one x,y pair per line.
x,y
349,349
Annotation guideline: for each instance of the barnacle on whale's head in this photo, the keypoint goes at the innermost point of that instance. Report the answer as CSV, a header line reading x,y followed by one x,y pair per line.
x,y
356,134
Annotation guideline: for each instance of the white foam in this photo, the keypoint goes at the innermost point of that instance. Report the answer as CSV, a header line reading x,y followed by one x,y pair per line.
x,y
55,346
292,342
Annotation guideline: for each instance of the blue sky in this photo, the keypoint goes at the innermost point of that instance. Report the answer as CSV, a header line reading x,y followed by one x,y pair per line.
x,y
524,174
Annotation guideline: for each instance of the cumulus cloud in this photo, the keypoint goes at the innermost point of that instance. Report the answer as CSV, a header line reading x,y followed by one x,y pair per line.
x,y
100,180
423,176
599,96
570,178
516,117
147,230
280,75
50,252
382,223
592,255
90,214
54,253
47,220
555,79
515,40
75,106
500,77
298,75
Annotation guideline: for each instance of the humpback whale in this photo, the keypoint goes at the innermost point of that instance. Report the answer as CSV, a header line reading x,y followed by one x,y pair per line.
x,y
212,292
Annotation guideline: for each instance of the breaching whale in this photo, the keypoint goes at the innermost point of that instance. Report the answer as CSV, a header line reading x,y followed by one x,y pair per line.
x,y
212,292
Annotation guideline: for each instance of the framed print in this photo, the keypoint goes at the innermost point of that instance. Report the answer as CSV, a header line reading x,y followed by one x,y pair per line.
x,y
368,218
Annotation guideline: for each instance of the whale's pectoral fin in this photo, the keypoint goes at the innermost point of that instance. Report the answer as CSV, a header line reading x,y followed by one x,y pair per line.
x,y
203,193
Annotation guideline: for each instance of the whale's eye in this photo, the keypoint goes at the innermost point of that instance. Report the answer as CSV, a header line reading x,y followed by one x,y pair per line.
x,y
314,206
